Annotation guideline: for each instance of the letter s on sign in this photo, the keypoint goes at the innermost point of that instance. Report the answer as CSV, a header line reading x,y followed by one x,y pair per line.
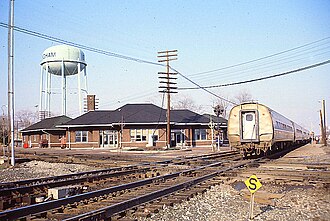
x,y
253,185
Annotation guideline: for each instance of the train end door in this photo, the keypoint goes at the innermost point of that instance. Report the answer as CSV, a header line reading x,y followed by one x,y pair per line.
x,y
249,126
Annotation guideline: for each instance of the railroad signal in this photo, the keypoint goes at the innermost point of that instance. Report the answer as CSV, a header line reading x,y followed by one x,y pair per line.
x,y
218,110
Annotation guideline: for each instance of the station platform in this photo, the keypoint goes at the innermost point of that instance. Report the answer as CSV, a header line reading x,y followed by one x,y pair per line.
x,y
310,156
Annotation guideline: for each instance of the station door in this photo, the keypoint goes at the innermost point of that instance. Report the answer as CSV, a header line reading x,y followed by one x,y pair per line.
x,y
109,138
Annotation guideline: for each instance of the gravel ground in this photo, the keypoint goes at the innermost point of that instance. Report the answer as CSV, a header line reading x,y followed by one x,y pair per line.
x,y
223,202
38,169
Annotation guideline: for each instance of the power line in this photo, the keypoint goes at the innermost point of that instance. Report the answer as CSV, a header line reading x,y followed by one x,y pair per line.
x,y
267,68
259,79
203,88
87,48
270,64
130,58
100,51
259,59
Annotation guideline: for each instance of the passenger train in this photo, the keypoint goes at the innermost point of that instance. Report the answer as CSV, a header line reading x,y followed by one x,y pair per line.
x,y
255,129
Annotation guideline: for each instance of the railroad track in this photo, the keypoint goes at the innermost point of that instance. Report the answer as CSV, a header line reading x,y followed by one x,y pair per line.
x,y
23,193
118,199
285,172
141,197
115,160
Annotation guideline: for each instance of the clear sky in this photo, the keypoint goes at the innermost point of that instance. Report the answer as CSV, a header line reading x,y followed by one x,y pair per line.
x,y
208,35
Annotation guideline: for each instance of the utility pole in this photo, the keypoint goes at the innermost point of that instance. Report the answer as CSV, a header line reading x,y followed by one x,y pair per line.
x,y
11,80
322,128
167,56
324,131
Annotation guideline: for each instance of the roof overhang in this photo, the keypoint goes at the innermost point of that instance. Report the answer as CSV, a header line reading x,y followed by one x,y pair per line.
x,y
85,125
41,130
142,123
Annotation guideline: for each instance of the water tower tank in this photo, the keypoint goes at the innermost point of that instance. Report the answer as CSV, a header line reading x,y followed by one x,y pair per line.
x,y
61,61
69,55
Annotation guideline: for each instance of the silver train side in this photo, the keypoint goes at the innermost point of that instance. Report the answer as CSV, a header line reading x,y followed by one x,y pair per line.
x,y
256,129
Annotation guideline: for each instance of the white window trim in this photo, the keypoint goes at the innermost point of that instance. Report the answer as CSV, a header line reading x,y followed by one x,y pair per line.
x,y
81,141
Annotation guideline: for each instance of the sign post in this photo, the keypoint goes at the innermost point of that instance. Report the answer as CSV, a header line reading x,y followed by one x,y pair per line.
x,y
253,184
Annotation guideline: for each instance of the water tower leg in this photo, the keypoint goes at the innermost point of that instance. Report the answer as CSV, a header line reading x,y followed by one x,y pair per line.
x,y
63,90
49,92
79,89
46,94
85,77
41,92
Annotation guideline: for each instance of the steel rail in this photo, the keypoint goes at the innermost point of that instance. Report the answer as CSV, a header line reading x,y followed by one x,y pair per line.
x,y
209,156
69,179
27,189
49,205
4,185
61,177
109,211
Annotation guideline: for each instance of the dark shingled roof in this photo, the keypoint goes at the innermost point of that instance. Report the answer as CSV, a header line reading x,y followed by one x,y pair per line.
x,y
216,119
137,114
47,124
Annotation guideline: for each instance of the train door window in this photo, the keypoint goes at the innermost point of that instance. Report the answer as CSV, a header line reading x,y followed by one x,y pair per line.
x,y
249,117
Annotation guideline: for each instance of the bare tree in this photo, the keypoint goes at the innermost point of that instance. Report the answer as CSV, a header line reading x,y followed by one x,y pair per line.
x,y
223,103
4,128
185,102
243,96
25,118
224,106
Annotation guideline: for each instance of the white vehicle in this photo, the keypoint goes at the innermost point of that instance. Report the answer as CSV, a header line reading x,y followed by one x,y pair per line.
x,y
256,129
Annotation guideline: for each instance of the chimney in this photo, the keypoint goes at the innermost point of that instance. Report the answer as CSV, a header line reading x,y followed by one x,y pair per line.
x,y
90,103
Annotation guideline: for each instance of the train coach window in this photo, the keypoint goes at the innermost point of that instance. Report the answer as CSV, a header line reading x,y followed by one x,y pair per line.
x,y
249,117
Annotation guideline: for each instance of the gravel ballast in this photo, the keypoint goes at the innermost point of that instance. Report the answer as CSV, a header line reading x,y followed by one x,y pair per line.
x,y
38,169
223,202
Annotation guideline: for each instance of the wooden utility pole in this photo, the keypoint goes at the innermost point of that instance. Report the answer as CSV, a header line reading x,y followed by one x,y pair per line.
x,y
324,127
167,56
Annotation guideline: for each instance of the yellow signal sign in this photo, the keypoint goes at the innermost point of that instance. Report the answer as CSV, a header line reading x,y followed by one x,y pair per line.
x,y
253,184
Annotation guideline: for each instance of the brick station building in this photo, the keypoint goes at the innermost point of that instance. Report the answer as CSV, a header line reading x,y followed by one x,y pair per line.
x,y
45,133
141,126
138,126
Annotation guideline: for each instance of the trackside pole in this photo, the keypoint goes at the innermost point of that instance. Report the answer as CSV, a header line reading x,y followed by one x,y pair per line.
x,y
251,206
253,184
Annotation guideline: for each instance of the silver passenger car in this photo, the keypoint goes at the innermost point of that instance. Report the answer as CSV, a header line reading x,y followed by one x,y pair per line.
x,y
254,129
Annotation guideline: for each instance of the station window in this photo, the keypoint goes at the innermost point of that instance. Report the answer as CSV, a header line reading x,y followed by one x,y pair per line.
x,y
138,135
200,134
81,136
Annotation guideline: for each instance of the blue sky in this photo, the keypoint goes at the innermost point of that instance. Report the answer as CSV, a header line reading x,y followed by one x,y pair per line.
x,y
208,35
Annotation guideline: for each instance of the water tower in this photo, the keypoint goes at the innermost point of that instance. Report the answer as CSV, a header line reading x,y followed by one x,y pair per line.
x,y
61,61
